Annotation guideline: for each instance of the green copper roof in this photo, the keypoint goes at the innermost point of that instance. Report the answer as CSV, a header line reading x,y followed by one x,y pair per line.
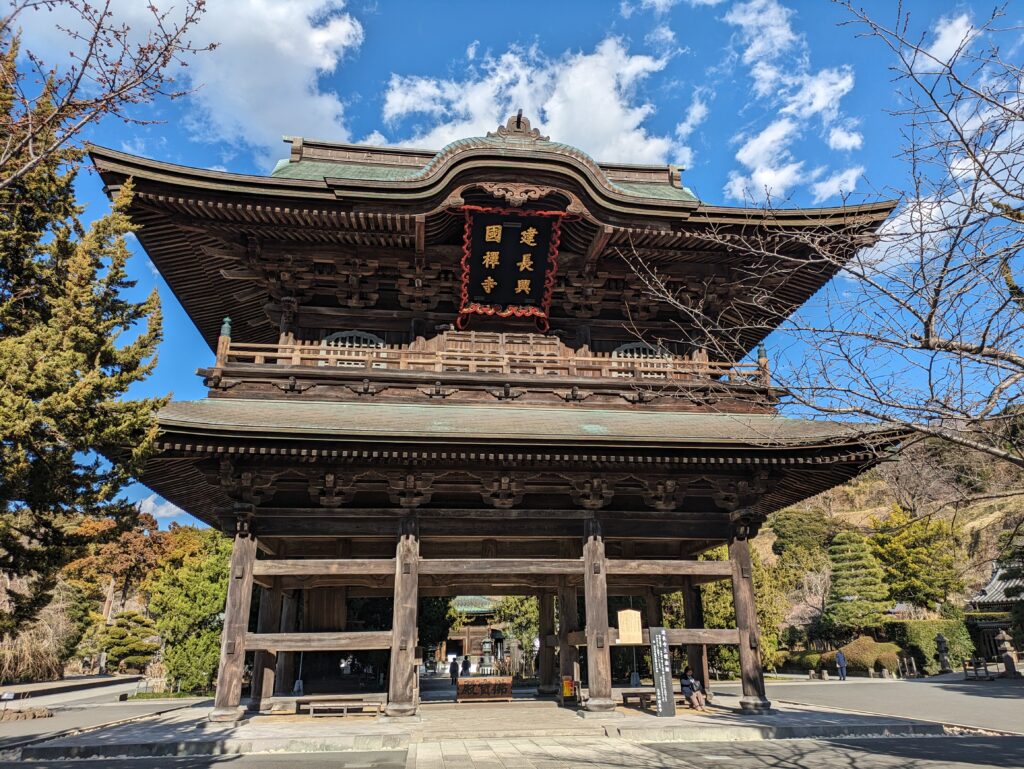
x,y
474,604
315,161
530,425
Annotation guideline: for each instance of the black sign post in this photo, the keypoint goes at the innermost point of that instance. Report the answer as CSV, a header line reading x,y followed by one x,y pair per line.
x,y
661,665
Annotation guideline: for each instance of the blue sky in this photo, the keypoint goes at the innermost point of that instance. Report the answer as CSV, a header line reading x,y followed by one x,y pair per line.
x,y
749,95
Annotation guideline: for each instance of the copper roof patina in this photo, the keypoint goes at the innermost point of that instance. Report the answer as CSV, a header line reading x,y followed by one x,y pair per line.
x,y
525,425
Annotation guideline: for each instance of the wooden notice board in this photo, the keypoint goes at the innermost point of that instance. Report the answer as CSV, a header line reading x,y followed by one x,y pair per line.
x,y
484,688
630,630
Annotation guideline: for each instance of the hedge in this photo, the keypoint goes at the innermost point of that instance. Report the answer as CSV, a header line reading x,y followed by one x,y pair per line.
x,y
917,637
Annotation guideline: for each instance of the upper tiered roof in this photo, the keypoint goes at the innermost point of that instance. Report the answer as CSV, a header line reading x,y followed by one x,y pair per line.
x,y
355,234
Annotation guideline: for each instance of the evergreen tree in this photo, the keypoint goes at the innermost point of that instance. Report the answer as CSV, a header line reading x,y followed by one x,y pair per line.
x,y
918,556
68,442
859,596
130,642
521,616
187,592
716,600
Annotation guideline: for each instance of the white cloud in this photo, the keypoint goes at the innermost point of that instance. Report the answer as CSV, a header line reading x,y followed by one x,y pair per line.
x,y
766,34
696,113
840,138
771,169
589,100
660,7
262,81
778,62
950,34
820,94
159,507
471,50
661,37
839,183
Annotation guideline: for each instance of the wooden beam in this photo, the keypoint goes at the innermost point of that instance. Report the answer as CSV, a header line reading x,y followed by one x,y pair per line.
x,y
308,642
721,569
290,567
509,566
751,675
676,637
420,224
598,243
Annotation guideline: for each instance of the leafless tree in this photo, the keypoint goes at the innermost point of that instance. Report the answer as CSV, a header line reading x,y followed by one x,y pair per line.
x,y
924,326
113,68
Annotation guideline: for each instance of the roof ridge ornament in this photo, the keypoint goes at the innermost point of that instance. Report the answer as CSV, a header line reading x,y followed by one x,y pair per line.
x,y
518,127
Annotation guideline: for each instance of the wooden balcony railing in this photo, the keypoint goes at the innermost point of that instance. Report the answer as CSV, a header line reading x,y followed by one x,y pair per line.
x,y
539,364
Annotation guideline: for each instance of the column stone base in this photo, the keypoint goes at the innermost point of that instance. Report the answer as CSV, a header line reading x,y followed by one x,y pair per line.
x,y
400,709
228,714
598,705
546,690
755,705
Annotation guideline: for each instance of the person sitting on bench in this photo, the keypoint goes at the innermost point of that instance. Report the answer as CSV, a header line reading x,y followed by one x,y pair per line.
x,y
692,690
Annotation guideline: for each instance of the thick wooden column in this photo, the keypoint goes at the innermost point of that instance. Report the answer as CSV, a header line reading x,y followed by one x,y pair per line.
x,y
652,608
568,622
753,700
264,664
693,617
595,585
236,623
402,674
285,678
547,683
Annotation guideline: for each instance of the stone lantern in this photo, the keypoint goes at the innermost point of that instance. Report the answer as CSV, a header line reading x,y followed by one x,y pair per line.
x,y
942,646
1008,654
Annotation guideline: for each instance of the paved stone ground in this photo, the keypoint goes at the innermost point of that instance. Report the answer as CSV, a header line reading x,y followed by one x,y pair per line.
x,y
997,705
892,753
81,716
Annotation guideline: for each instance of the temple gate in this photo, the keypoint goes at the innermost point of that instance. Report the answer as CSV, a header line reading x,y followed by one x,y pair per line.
x,y
435,374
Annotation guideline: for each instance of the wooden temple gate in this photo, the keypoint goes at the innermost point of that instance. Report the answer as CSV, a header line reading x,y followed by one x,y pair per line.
x,y
445,378
552,579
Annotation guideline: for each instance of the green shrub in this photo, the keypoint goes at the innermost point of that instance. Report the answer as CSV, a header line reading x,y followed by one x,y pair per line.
x,y
863,654
917,637
804,660
889,660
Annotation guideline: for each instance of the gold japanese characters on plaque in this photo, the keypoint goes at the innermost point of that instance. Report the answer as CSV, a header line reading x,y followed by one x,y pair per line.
x,y
509,262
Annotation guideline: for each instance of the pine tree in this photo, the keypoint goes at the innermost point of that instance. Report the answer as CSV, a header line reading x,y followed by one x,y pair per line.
x,y
130,642
68,440
859,596
918,556
186,593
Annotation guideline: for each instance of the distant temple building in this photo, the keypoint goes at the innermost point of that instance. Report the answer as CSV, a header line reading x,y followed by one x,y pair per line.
x,y
434,374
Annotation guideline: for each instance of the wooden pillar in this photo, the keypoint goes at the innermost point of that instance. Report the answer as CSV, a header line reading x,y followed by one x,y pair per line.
x,y
236,623
402,674
568,622
753,700
693,617
547,683
264,665
595,585
652,608
285,676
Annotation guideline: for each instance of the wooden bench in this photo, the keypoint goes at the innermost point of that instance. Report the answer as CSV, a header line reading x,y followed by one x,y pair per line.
x,y
977,671
319,708
644,696
648,697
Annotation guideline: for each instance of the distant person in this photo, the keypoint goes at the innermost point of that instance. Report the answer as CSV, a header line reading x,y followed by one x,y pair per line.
x,y
841,664
465,665
692,690
453,671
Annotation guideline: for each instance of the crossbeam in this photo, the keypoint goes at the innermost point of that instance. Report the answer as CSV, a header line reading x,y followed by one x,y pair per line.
x,y
293,567
676,637
308,642
721,569
501,566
